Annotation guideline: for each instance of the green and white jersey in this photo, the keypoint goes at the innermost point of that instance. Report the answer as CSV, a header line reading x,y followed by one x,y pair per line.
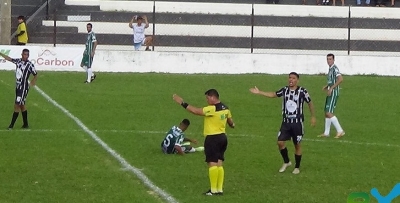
x,y
174,137
333,74
91,38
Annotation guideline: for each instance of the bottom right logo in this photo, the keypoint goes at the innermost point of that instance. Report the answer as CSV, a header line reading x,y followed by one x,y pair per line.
x,y
363,197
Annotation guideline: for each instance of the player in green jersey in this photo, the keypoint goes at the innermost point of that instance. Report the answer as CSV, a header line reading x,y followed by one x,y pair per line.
x,y
332,89
173,141
88,54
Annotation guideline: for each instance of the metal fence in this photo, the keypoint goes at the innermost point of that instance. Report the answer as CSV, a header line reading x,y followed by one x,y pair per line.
x,y
255,32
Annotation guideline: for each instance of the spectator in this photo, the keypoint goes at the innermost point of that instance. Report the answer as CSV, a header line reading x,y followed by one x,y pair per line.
x,y
367,2
325,2
272,1
380,3
139,37
22,34
305,2
392,3
334,2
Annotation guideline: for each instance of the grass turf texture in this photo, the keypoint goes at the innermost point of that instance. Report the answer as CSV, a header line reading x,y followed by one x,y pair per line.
x,y
57,162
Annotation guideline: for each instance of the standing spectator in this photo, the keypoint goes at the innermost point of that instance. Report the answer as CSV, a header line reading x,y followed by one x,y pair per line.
x,y
272,1
367,2
139,37
305,2
325,2
22,34
380,3
334,2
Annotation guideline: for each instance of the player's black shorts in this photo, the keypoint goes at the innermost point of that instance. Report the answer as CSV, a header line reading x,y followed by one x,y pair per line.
x,y
20,96
292,131
215,147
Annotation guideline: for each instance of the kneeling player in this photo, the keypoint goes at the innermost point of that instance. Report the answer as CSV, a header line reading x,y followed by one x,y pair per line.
x,y
173,141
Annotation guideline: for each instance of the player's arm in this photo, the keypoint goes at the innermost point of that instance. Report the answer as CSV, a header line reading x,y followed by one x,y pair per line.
x,y
179,150
190,108
255,90
6,57
33,81
339,80
190,140
311,107
146,21
94,45
131,22
35,76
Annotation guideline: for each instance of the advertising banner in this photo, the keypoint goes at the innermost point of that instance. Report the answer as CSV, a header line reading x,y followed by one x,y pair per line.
x,y
45,58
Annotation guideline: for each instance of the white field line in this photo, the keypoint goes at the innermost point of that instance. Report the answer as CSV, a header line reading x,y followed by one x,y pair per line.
x,y
327,140
117,156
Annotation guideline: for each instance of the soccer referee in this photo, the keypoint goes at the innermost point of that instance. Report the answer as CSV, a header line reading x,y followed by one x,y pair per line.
x,y
216,115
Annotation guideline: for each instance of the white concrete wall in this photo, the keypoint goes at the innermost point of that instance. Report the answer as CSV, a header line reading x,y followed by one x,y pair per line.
x,y
68,59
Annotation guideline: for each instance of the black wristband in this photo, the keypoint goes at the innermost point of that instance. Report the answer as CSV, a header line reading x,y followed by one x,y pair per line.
x,y
184,105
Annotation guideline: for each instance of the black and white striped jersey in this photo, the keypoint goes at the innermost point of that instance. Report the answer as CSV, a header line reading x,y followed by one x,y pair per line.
x,y
292,103
22,72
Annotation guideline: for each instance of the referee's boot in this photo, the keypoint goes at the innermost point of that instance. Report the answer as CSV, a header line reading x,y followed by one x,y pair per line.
x,y
209,193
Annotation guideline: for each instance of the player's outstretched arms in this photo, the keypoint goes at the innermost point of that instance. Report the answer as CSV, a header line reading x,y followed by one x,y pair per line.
x,y
255,90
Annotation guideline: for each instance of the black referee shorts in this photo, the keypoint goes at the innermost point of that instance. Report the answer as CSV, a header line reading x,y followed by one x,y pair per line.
x,y
292,131
215,147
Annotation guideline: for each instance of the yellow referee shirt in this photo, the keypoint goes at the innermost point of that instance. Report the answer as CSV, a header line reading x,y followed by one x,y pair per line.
x,y
215,119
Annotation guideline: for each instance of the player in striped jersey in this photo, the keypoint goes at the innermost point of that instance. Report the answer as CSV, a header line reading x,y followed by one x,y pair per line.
x,y
24,68
292,122
88,54
332,90
173,141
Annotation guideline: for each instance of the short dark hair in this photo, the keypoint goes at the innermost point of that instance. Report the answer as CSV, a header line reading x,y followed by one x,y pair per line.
x,y
212,92
333,56
91,26
294,73
21,18
25,50
186,122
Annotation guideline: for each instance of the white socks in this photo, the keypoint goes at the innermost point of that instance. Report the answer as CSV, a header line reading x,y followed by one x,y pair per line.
x,y
192,150
89,75
336,123
327,126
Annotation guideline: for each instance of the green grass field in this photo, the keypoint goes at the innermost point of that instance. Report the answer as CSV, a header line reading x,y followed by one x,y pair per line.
x,y
56,161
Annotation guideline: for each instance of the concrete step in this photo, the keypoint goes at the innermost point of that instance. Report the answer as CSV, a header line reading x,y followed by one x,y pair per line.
x,y
277,21
78,8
